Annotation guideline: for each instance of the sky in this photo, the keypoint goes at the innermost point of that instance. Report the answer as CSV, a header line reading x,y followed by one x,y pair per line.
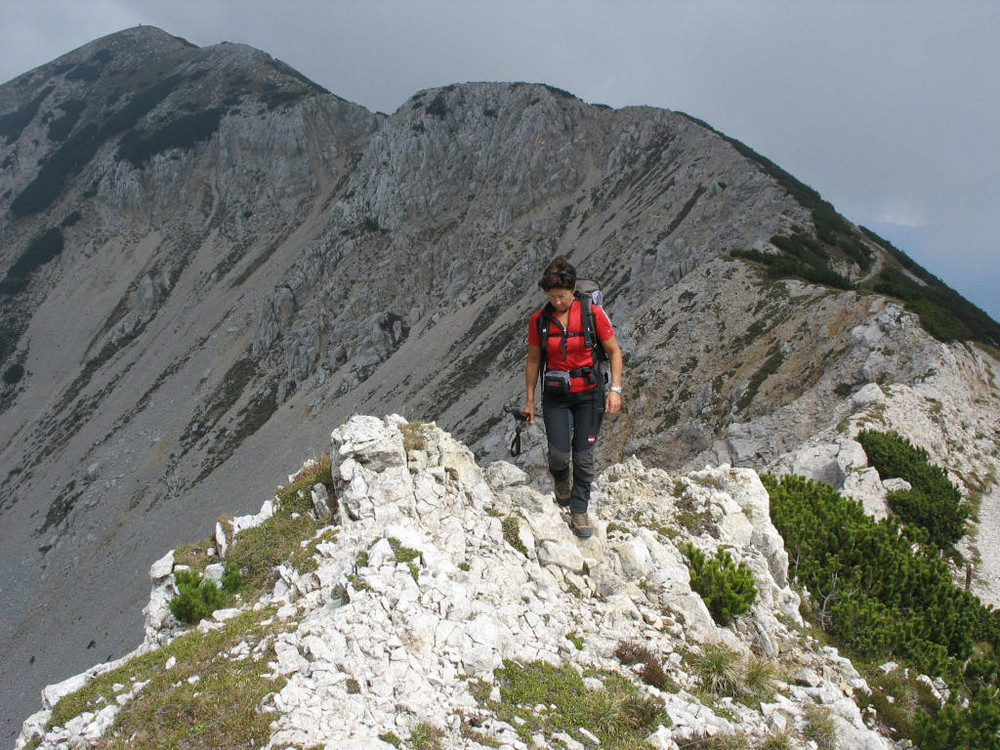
x,y
889,108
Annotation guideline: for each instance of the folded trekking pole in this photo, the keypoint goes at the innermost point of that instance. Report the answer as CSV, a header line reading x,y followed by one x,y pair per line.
x,y
520,421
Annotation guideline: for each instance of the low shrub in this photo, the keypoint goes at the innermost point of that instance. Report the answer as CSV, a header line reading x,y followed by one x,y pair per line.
x,y
970,719
874,586
182,132
406,555
719,670
943,312
512,533
619,713
781,266
197,599
651,672
727,588
820,728
933,503
13,374
257,550
884,594
40,251
206,699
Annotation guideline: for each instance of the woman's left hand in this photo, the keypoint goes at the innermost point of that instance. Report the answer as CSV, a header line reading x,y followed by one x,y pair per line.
x,y
612,402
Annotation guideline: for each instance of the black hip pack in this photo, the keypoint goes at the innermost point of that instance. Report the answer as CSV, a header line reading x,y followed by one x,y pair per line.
x,y
555,383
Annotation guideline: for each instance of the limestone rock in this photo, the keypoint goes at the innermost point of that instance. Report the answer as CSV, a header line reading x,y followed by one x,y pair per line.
x,y
402,646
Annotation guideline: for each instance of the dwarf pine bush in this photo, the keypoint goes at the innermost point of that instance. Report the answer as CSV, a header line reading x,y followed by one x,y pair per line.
x,y
883,595
874,589
933,503
198,597
727,588
970,719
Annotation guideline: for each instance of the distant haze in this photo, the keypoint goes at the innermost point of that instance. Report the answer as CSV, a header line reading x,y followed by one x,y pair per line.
x,y
890,110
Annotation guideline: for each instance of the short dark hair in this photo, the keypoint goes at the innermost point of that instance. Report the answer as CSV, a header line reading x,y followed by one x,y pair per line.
x,y
559,274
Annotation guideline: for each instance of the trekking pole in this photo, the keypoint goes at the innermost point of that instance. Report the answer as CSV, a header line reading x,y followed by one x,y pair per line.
x,y
520,421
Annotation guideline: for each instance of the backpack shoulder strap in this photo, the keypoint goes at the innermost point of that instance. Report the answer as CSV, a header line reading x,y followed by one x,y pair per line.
x,y
543,323
544,329
587,316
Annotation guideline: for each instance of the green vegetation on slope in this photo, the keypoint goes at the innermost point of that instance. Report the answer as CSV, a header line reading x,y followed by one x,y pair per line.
x,y
797,265
138,146
13,123
67,161
727,588
618,713
944,313
884,594
256,551
837,238
934,503
40,251
199,691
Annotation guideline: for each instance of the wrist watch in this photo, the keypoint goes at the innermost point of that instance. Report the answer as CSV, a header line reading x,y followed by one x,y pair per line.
x,y
616,389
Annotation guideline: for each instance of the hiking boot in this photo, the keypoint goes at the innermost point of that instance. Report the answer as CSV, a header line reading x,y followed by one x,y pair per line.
x,y
563,489
580,524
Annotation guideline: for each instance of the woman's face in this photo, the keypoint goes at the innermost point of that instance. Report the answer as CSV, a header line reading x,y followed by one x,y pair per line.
x,y
561,299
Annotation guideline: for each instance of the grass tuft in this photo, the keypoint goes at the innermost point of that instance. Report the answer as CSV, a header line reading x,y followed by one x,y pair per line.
x,y
542,699
208,698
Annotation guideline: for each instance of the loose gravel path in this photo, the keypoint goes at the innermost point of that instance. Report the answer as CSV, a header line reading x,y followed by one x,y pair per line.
x,y
986,581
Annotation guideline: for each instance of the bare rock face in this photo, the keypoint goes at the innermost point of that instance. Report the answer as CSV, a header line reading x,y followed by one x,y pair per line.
x,y
207,259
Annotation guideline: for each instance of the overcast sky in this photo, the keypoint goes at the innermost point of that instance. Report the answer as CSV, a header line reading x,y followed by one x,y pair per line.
x,y
889,108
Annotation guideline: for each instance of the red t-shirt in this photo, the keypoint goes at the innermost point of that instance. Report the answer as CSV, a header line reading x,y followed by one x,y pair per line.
x,y
577,353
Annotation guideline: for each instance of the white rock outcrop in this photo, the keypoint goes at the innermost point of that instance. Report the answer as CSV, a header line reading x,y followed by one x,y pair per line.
x,y
377,645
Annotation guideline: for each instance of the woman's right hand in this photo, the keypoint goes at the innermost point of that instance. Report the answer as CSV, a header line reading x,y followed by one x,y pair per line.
x,y
529,411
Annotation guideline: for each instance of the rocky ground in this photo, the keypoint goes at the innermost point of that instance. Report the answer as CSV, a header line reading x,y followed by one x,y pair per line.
x,y
372,647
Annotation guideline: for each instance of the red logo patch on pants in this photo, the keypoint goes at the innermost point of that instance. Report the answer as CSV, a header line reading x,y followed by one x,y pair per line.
x,y
592,439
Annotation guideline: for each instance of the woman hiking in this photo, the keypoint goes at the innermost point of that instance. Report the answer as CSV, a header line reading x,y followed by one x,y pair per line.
x,y
573,399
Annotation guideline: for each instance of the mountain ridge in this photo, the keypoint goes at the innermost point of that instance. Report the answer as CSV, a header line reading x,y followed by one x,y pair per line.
x,y
473,573
216,302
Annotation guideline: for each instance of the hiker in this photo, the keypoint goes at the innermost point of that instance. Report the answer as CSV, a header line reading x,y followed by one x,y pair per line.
x,y
574,401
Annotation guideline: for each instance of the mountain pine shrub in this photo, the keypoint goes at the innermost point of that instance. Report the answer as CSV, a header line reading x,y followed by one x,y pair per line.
x,y
727,588
782,266
198,597
13,374
933,503
883,593
40,251
875,587
943,312
970,719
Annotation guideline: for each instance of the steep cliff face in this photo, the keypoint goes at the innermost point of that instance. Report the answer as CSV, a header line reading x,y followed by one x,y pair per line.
x,y
207,259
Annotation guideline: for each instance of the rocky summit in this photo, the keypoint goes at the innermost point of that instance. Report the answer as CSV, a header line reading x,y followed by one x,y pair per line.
x,y
432,578
208,259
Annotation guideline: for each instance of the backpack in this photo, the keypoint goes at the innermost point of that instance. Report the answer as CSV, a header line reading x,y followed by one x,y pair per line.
x,y
589,293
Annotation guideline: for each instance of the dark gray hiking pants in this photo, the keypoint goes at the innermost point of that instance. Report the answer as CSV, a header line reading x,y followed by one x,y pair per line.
x,y
572,424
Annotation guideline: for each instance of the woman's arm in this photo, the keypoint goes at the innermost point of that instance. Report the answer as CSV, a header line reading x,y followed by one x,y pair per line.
x,y
612,399
531,367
